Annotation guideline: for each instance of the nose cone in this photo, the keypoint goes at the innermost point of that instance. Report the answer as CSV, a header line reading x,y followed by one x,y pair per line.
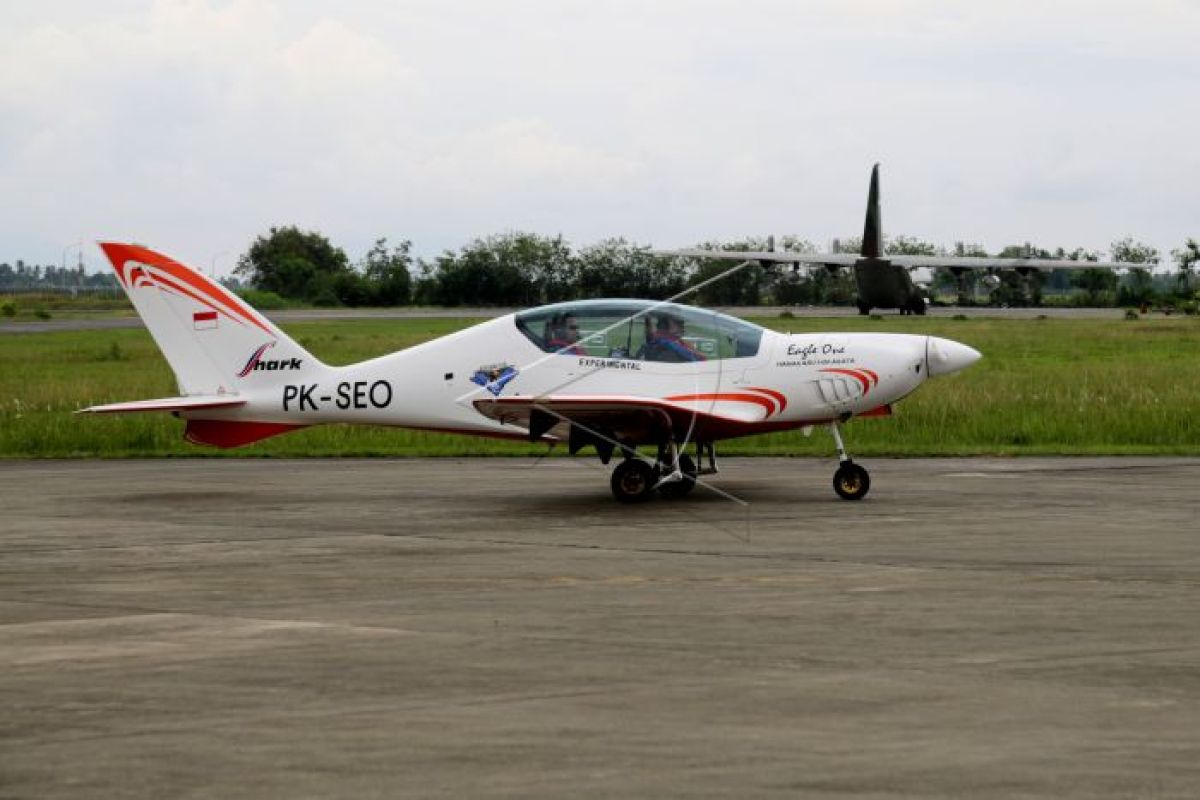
x,y
943,356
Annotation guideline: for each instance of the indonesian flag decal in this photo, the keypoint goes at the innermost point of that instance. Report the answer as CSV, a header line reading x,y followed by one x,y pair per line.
x,y
204,320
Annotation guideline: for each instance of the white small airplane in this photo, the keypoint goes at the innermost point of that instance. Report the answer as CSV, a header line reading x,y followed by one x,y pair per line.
x,y
612,374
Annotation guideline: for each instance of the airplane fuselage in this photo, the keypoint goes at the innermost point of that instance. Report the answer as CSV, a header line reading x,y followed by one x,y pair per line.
x,y
792,380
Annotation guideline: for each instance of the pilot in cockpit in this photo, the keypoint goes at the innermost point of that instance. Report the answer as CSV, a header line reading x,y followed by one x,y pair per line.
x,y
563,336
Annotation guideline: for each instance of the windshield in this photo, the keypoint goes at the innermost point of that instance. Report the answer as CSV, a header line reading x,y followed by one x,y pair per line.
x,y
639,329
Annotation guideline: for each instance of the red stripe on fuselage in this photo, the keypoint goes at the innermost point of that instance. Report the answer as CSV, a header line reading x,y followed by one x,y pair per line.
x,y
779,396
767,403
853,373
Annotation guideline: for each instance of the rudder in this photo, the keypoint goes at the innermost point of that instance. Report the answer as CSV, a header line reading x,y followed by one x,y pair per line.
x,y
214,342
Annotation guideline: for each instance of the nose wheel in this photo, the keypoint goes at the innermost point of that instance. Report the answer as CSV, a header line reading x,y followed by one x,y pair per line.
x,y
851,482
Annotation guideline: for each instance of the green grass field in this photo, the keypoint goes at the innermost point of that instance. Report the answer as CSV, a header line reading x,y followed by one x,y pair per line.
x,y
1051,386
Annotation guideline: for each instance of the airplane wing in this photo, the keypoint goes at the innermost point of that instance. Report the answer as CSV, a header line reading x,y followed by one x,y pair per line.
x,y
194,403
849,259
601,420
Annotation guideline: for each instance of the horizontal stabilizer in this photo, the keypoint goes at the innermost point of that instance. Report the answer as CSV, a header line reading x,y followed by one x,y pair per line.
x,y
196,403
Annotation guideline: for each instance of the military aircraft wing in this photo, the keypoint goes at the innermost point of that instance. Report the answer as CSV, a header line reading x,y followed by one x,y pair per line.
x,y
849,259
771,256
982,262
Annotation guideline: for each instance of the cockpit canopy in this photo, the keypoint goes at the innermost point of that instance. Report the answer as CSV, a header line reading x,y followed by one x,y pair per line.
x,y
639,329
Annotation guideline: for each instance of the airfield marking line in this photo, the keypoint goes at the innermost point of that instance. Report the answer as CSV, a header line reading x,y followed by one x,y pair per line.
x,y
140,610
1008,569
266,623
992,567
166,544
1017,470
280,719
701,553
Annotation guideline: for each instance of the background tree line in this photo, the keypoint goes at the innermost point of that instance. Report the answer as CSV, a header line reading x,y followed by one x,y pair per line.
x,y
288,264
524,269
32,276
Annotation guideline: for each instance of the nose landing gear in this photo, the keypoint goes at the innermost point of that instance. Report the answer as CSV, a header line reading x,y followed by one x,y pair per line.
x,y
851,482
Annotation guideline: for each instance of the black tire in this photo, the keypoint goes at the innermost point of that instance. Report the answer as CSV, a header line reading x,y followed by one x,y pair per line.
x,y
851,482
864,309
633,481
684,487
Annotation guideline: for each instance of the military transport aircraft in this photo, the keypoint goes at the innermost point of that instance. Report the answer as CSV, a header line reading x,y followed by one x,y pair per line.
x,y
883,281
610,374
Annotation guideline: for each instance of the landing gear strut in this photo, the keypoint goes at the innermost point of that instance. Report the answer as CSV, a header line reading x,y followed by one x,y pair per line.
x,y
681,482
851,482
673,474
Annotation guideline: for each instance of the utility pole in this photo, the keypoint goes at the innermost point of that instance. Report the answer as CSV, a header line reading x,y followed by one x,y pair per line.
x,y
67,249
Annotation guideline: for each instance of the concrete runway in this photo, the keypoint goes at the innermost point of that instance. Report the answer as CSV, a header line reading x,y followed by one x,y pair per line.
x,y
978,628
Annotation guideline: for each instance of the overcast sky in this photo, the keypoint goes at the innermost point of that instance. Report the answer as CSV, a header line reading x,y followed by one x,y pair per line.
x,y
195,126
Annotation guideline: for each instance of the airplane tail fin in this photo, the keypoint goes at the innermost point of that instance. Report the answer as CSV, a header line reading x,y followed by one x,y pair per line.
x,y
872,241
215,343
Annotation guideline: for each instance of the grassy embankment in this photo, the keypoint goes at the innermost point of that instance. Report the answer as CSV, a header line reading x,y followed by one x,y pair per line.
x,y
1053,386
28,306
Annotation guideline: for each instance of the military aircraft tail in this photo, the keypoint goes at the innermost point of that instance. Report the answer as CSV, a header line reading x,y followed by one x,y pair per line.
x,y
872,241
216,344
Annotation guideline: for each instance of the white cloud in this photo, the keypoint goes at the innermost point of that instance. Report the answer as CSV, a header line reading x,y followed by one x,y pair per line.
x,y
331,59
195,124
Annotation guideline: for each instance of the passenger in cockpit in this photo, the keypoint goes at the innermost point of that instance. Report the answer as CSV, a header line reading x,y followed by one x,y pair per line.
x,y
668,343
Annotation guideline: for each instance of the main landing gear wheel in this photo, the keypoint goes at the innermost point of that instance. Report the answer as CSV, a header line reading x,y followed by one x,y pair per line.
x,y
851,481
681,488
633,481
